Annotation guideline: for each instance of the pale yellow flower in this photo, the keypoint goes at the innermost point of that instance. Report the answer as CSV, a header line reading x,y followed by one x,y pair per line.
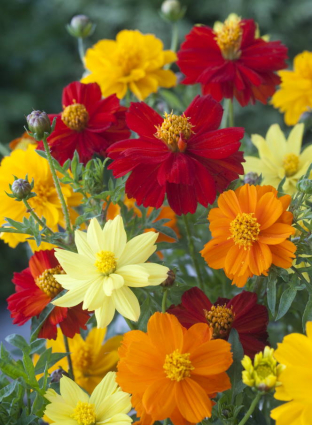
x,y
279,158
105,268
107,404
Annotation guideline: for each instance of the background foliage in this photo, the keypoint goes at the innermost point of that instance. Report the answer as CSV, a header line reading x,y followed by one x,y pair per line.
x,y
38,58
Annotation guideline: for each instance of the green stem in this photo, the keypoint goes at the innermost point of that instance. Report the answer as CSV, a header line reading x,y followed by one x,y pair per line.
x,y
251,409
36,218
81,50
28,401
70,364
301,277
130,324
57,186
192,251
175,37
231,113
164,300
165,421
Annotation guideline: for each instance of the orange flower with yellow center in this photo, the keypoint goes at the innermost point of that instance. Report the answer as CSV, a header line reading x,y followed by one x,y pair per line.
x,y
250,231
172,372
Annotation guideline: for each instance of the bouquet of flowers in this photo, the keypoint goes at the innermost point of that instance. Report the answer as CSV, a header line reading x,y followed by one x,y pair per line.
x,y
165,262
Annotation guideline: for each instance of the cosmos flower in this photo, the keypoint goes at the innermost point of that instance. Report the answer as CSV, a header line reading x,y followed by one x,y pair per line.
x,y
184,157
232,60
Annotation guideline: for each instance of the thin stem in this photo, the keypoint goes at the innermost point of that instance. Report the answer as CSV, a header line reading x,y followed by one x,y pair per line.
x,y
130,324
192,251
301,277
28,401
81,50
164,300
231,113
36,218
70,364
165,421
57,186
175,37
251,409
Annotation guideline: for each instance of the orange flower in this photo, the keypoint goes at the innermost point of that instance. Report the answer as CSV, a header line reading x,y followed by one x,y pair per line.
x,y
172,372
250,231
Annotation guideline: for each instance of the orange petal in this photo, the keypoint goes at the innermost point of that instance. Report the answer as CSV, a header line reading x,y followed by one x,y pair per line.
x,y
268,210
211,358
285,200
276,233
195,336
236,261
158,399
229,205
247,198
283,254
214,383
165,333
260,258
192,401
215,252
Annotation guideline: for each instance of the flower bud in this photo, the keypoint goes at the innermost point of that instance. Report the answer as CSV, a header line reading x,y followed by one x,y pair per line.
x,y
80,26
172,10
170,279
251,178
305,186
39,123
21,188
57,374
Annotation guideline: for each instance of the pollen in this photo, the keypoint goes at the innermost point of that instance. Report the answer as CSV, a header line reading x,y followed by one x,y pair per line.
x,y
178,366
106,262
84,413
175,131
47,283
229,37
220,318
75,116
291,164
245,230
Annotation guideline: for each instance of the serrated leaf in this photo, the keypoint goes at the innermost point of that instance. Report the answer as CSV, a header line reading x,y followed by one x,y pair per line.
x,y
285,302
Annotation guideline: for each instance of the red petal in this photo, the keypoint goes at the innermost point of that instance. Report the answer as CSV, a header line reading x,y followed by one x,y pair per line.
x,y
142,119
205,114
41,261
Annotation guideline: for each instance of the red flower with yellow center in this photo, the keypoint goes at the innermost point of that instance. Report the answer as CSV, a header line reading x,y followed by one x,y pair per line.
x,y
35,288
185,157
173,372
241,313
250,231
88,123
231,60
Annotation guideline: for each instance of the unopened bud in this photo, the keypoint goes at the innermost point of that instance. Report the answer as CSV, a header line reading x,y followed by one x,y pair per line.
x,y
38,123
57,374
251,178
170,279
21,188
305,186
172,10
80,26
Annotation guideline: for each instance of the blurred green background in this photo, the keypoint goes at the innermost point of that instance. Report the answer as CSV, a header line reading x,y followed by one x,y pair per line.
x,y
38,58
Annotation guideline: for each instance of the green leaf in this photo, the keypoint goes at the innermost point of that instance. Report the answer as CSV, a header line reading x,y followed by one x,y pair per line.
x,y
235,371
8,390
37,345
19,342
285,302
48,358
30,370
36,323
271,293
307,314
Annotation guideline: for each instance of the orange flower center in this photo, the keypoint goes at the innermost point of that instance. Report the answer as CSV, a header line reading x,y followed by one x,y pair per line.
x,y
84,413
75,116
82,356
220,318
47,283
106,262
245,230
178,366
175,131
229,37
291,164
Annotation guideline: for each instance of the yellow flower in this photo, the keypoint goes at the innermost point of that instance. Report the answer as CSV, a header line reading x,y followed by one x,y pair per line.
x,y
295,352
295,95
105,267
134,61
280,158
46,204
263,373
91,359
107,404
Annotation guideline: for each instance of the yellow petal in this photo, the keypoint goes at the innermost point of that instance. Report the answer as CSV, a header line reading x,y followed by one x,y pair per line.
x,y
138,249
104,315
295,139
71,392
115,236
126,303
157,273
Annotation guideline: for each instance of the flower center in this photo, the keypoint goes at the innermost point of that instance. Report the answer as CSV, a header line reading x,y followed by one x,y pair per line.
x,y
106,262
178,366
229,37
75,116
84,413
245,230
220,318
291,164
129,60
263,371
175,131
82,356
47,283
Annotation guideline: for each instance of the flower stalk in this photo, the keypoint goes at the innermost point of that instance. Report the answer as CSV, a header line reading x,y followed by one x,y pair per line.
x,y
70,363
251,408
192,251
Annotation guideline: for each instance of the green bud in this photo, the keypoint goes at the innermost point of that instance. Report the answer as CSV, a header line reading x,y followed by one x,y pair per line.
x,y
39,123
21,188
305,186
80,26
172,10
251,178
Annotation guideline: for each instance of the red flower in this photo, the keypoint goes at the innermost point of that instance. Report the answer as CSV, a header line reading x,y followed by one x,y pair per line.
x,y
88,123
35,288
232,61
185,156
241,313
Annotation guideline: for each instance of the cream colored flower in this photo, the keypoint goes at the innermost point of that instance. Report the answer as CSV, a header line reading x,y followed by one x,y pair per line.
x,y
105,268
279,158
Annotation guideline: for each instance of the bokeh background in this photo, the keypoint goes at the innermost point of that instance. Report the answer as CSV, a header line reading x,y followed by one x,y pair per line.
x,y
38,58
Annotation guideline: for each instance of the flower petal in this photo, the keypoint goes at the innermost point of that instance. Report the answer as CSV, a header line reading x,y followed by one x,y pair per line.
x,y
126,303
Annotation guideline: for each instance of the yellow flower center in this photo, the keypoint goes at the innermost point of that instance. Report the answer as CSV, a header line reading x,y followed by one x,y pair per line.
x,y
220,318
106,262
178,366
82,356
263,371
43,192
175,131
84,413
47,283
245,230
130,60
229,37
291,164
75,116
